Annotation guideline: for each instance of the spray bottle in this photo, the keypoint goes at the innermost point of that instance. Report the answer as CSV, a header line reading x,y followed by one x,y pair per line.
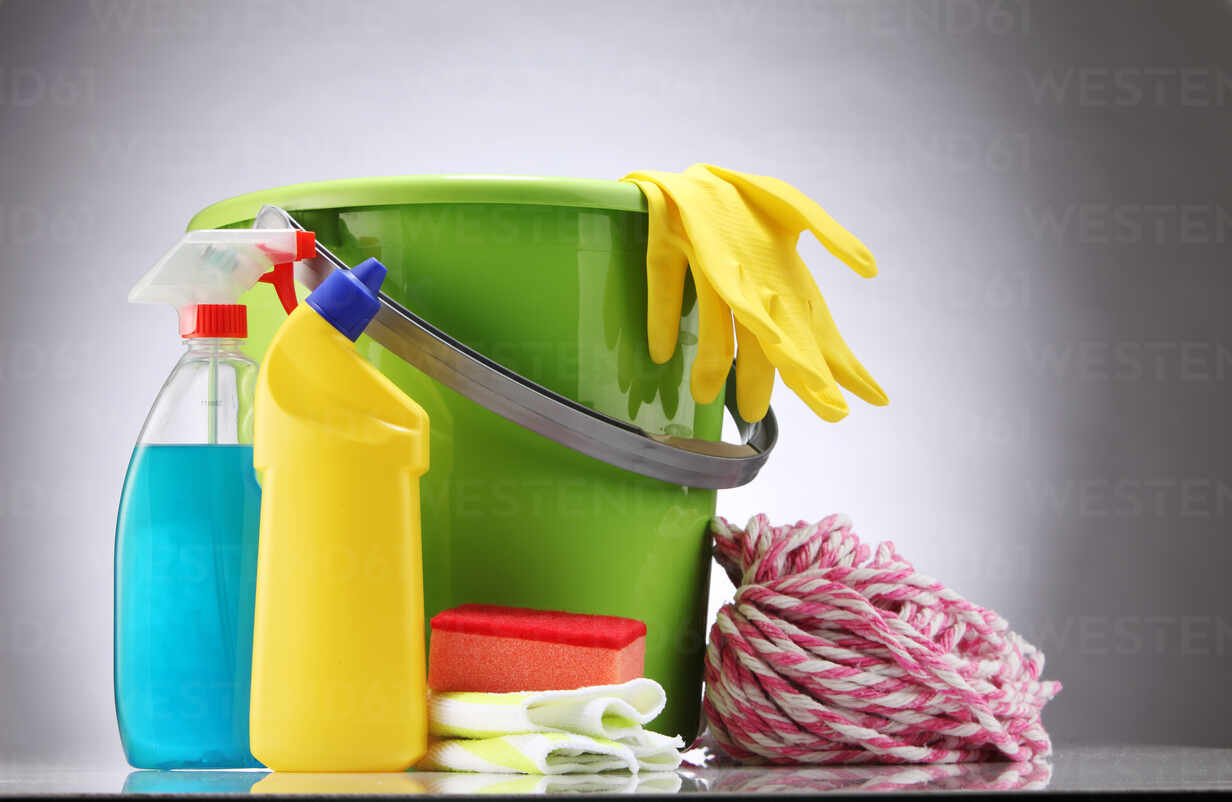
x,y
338,646
186,534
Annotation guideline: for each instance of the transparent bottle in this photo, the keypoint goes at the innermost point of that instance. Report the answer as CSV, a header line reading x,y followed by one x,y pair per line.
x,y
185,559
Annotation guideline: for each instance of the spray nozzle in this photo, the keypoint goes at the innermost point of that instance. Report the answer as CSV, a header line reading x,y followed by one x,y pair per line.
x,y
216,267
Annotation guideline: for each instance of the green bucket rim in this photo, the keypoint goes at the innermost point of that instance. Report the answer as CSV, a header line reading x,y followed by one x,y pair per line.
x,y
589,193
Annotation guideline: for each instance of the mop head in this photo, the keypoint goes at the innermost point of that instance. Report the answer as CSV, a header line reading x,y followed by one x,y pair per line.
x,y
835,652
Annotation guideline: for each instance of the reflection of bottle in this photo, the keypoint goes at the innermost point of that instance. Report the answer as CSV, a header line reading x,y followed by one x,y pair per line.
x,y
338,646
371,784
191,782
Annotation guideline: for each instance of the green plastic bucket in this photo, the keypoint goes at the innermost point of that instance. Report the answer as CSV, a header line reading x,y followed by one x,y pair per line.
x,y
548,277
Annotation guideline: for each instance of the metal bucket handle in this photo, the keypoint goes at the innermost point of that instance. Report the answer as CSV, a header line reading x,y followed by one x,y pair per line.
x,y
687,461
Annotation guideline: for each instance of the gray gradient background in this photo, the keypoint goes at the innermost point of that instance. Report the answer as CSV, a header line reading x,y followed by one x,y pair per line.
x,y
1046,187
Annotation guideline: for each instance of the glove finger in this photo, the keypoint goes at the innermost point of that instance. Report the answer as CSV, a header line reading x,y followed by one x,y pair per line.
x,y
715,345
781,326
838,357
816,387
786,337
754,376
666,264
782,201
669,384
782,331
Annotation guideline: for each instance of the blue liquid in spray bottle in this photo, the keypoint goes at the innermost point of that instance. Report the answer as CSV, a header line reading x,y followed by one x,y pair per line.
x,y
186,567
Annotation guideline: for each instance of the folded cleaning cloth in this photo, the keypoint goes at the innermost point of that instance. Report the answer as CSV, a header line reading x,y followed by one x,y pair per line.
x,y
737,234
585,730
601,711
554,753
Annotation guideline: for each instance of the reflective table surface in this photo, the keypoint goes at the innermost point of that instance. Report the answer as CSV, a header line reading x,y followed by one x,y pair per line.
x,y
1086,769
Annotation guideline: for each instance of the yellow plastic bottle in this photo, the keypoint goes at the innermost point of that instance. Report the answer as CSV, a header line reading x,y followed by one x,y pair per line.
x,y
338,644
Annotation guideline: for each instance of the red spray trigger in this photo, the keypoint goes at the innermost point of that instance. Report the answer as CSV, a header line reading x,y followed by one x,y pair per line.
x,y
282,277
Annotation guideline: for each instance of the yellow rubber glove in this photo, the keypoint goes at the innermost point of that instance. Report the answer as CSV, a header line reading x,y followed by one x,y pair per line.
x,y
738,234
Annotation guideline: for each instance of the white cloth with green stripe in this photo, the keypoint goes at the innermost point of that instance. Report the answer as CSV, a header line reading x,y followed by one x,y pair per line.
x,y
587,730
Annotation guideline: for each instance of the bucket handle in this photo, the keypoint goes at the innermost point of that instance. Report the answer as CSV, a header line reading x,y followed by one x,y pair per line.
x,y
687,461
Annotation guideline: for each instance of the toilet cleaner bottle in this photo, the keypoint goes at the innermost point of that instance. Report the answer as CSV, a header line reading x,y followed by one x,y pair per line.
x,y
186,532
338,647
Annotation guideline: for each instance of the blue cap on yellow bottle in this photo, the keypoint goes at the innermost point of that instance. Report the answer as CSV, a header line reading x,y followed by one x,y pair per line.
x,y
348,298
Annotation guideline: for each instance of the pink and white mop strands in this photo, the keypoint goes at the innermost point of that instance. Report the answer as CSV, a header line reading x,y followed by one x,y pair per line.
x,y
835,652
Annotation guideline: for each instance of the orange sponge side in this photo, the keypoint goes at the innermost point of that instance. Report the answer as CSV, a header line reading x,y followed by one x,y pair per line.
x,y
467,661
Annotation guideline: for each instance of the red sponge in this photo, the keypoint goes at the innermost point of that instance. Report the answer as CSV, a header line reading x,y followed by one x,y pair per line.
x,y
484,647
